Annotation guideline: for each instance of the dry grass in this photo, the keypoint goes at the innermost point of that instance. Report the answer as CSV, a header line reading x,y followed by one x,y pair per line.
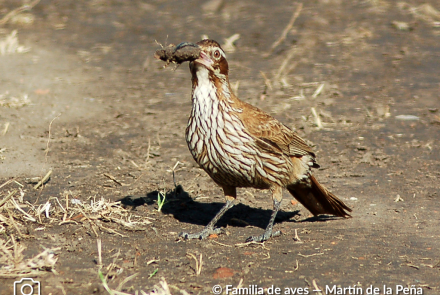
x,y
229,46
13,264
162,288
113,271
7,100
424,12
287,29
96,210
15,214
68,209
17,11
10,45
199,263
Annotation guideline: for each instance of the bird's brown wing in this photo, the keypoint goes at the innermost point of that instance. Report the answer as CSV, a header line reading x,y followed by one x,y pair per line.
x,y
272,135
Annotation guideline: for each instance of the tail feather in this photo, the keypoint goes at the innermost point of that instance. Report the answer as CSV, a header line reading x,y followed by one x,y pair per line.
x,y
318,200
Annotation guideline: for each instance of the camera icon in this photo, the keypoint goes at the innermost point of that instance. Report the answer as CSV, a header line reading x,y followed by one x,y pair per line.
x,y
26,286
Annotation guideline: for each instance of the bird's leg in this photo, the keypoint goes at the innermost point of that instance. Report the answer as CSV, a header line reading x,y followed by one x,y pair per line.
x,y
230,195
277,196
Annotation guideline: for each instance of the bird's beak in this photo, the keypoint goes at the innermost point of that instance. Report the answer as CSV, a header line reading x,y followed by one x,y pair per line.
x,y
185,44
205,60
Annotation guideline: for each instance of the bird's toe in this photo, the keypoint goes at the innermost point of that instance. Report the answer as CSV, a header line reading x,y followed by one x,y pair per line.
x,y
264,237
200,235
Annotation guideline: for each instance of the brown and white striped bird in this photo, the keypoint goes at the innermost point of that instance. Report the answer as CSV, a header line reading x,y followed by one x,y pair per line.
x,y
239,145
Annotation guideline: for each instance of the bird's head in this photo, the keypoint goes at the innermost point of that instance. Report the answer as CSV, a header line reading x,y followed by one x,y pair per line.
x,y
212,58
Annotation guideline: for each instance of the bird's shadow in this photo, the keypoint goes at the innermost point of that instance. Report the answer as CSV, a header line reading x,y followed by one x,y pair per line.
x,y
185,209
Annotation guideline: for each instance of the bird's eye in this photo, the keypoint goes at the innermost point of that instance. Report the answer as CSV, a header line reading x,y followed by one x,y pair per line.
x,y
217,54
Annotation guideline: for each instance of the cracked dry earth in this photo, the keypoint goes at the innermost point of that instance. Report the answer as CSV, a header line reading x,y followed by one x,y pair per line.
x,y
109,122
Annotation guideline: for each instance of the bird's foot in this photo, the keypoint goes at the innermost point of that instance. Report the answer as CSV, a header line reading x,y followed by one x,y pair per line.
x,y
206,232
264,237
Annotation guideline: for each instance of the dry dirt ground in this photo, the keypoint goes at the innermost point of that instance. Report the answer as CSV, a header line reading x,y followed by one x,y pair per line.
x,y
82,96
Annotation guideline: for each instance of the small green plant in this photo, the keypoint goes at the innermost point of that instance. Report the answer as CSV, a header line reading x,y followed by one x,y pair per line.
x,y
104,283
161,196
153,273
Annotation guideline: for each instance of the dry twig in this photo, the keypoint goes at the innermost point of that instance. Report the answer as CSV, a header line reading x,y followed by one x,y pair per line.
x,y
98,242
18,10
199,264
318,121
316,288
5,199
296,237
310,255
111,177
43,180
287,28
228,46
281,70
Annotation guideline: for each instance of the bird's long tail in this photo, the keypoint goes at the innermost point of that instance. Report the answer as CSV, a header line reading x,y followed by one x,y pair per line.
x,y
317,199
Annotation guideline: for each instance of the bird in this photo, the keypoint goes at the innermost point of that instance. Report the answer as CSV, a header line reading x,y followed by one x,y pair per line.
x,y
240,145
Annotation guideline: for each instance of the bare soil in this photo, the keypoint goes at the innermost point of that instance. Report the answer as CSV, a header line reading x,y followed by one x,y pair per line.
x,y
109,121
